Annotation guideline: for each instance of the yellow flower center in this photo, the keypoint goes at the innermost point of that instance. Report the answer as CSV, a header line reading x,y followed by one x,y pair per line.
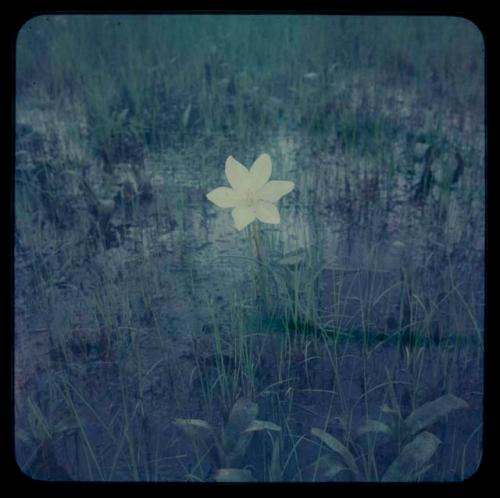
x,y
250,198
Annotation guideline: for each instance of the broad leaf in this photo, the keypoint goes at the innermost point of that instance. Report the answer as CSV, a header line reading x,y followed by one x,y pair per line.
x,y
329,466
425,415
385,408
261,425
373,426
333,470
234,475
195,428
412,459
421,472
243,413
234,453
336,446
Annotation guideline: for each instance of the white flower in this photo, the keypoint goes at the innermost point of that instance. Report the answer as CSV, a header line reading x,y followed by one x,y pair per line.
x,y
252,195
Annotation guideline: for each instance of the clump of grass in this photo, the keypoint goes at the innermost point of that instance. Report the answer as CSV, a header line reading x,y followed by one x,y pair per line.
x,y
416,446
231,445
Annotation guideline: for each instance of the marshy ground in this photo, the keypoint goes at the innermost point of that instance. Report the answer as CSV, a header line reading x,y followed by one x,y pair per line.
x,y
148,335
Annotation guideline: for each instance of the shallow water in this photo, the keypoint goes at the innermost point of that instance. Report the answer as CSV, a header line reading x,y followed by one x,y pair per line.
x,y
196,271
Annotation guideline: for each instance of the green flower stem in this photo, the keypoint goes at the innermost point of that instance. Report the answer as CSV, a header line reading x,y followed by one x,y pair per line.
x,y
256,239
261,276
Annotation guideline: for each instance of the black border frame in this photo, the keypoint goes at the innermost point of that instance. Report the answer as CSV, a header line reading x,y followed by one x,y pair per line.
x,y
10,24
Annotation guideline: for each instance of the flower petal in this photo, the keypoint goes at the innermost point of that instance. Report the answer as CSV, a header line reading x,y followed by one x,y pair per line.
x,y
267,213
224,197
242,216
261,171
274,190
237,175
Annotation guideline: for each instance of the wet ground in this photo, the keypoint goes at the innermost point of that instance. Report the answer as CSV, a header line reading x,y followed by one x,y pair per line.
x,y
170,285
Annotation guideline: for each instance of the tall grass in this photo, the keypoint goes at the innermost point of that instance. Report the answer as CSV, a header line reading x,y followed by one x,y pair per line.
x,y
150,79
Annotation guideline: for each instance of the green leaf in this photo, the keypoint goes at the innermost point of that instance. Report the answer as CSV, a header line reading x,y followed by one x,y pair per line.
x,y
185,115
421,472
234,452
336,446
275,473
262,425
234,475
235,440
69,424
195,428
412,459
333,470
243,413
385,408
292,261
329,466
293,258
192,422
425,415
373,426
